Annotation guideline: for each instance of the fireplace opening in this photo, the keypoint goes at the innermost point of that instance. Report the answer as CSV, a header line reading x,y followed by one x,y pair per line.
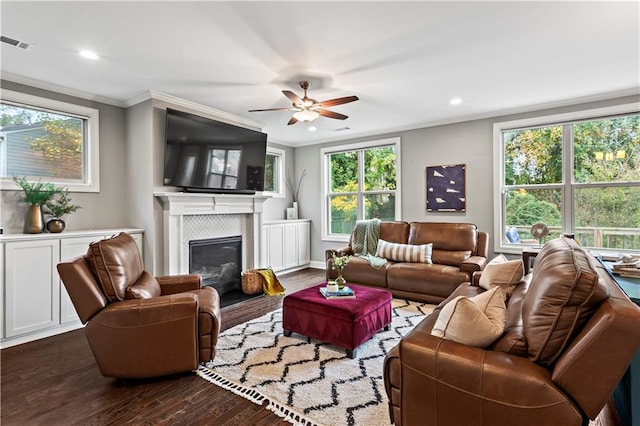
x,y
219,262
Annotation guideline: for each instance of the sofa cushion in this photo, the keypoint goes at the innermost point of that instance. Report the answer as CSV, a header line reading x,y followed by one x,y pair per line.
x,y
565,291
453,243
404,252
146,288
476,321
502,272
116,264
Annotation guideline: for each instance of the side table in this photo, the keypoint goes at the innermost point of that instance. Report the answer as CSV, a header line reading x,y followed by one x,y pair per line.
x,y
528,256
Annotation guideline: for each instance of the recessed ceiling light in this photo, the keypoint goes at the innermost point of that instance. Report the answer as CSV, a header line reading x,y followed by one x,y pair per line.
x,y
88,54
455,101
312,128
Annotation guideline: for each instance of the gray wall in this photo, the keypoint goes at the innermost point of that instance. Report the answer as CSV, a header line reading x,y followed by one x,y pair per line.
x,y
469,142
105,209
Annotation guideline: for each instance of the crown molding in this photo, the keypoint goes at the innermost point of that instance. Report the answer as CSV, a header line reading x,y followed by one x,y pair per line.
x,y
39,84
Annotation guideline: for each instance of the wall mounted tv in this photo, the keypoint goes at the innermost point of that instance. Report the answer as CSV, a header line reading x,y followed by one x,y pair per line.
x,y
205,155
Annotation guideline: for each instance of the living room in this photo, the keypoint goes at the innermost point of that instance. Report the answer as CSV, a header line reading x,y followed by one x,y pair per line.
x,y
562,79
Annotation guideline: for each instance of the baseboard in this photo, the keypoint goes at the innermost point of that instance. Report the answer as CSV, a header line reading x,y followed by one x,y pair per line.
x,y
317,265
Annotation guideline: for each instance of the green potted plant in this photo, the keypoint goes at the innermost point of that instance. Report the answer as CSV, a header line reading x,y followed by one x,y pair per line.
x,y
35,194
58,207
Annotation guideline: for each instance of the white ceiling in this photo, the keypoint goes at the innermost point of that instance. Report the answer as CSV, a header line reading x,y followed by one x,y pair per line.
x,y
404,60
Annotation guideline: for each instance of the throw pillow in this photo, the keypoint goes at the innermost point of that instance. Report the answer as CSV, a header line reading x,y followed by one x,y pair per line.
x,y
502,272
146,288
404,252
477,321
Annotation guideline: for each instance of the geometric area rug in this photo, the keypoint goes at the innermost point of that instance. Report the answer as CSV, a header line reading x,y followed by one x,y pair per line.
x,y
305,381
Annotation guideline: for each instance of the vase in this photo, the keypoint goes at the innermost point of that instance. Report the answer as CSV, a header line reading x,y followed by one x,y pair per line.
x,y
55,226
340,281
295,209
34,223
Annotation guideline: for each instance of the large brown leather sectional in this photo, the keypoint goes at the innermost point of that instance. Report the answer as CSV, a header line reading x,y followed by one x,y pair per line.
x,y
570,335
459,250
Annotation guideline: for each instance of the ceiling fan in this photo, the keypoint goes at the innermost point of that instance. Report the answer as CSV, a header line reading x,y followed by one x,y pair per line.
x,y
307,109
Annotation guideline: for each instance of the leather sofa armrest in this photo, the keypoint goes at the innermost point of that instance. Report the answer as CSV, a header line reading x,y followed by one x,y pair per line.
x,y
440,376
473,264
172,284
344,251
146,337
475,278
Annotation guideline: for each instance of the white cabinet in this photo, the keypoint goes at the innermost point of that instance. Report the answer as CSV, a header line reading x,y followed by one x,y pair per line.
x,y
35,302
286,244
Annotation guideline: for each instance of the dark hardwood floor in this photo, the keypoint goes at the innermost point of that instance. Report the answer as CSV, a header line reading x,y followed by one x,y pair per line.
x,y
55,381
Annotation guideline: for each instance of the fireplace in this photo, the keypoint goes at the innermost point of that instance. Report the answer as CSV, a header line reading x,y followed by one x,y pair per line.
x,y
219,262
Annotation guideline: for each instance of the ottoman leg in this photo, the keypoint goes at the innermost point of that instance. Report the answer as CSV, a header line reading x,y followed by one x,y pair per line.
x,y
352,353
287,333
387,327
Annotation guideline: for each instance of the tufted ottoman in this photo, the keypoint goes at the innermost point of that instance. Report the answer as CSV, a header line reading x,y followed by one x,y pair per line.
x,y
347,323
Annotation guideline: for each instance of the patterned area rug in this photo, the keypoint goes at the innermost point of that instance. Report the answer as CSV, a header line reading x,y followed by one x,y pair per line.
x,y
306,381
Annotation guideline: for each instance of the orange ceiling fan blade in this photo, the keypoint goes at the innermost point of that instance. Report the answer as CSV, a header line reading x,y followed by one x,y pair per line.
x,y
337,101
269,109
292,121
293,97
331,114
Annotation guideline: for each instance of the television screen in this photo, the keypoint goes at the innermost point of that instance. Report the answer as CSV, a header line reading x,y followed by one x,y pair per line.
x,y
206,155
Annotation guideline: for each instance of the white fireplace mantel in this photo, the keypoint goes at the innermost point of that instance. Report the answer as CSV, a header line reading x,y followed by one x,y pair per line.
x,y
177,205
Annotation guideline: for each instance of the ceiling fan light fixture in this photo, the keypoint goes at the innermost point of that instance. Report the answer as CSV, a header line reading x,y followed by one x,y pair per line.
x,y
306,115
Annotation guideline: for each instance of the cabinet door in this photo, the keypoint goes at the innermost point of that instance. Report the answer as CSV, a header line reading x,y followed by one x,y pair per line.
x,y
304,243
69,249
32,286
276,247
290,245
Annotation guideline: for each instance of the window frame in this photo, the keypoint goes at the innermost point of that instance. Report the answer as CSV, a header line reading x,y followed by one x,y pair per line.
x,y
326,152
567,186
91,147
280,155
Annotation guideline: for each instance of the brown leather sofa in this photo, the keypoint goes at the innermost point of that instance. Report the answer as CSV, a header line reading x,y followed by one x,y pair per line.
x,y
562,354
137,325
459,250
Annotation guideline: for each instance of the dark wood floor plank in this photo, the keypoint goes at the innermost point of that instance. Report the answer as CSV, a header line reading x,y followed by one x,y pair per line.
x,y
55,381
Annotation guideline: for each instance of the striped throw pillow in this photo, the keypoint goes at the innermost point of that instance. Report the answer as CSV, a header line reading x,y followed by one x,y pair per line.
x,y
404,252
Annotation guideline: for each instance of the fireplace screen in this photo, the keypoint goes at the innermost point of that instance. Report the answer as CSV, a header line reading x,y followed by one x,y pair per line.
x,y
218,261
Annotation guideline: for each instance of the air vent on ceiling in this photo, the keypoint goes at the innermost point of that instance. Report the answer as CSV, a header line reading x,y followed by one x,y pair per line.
x,y
16,43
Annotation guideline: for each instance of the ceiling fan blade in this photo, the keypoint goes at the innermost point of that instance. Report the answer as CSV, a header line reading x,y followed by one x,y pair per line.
x,y
292,121
293,97
268,109
337,101
331,114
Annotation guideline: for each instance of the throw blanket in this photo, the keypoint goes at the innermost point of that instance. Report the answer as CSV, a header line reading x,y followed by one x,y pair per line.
x,y
365,241
271,286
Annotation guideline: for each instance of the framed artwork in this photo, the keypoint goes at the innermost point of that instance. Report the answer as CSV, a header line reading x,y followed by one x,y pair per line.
x,y
446,190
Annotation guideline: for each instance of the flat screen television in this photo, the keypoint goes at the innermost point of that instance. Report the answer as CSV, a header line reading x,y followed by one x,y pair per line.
x,y
205,155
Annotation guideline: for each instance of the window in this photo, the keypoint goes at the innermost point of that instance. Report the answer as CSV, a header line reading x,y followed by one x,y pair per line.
x,y
577,173
274,172
361,181
48,140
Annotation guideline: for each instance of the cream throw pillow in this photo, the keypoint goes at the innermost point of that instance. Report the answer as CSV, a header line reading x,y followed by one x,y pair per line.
x,y
404,252
477,321
502,272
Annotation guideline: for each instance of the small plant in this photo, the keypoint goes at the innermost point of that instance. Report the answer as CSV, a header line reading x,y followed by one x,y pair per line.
x,y
60,205
36,193
339,262
295,189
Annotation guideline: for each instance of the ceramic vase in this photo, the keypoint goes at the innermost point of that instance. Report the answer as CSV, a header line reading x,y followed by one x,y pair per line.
x,y
34,223
295,210
55,226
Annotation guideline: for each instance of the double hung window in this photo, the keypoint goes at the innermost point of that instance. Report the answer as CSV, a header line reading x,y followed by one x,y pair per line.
x,y
361,181
577,173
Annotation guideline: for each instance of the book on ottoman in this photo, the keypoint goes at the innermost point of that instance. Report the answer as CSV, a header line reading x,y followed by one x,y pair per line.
x,y
343,293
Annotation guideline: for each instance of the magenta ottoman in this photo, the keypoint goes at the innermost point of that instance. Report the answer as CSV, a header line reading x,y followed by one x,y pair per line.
x,y
347,323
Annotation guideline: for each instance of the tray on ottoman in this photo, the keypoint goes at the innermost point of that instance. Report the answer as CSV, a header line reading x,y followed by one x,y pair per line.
x,y
347,323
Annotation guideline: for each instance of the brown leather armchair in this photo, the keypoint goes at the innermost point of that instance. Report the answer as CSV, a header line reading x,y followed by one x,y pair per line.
x,y
137,325
570,335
